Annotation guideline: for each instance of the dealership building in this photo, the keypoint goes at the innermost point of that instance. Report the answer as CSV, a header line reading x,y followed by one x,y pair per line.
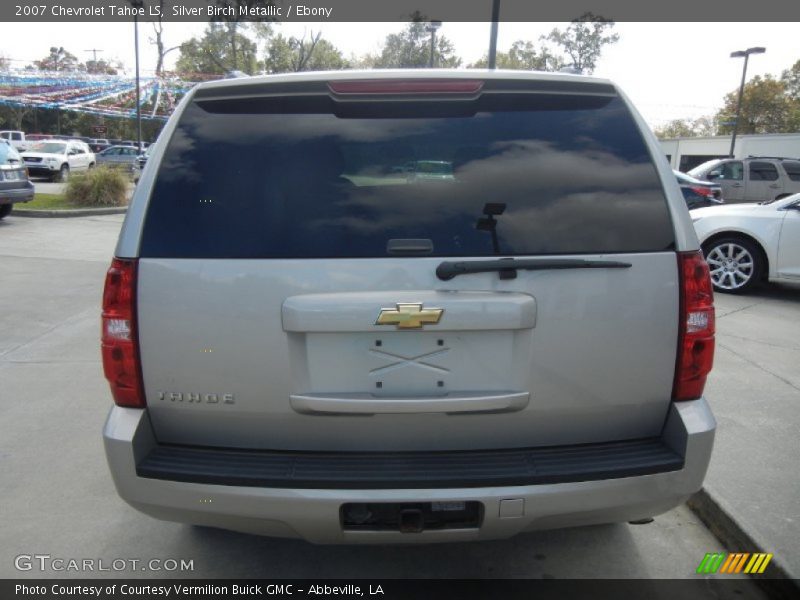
x,y
687,152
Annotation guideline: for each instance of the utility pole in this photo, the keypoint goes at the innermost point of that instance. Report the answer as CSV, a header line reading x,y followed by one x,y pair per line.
x,y
94,52
137,4
431,28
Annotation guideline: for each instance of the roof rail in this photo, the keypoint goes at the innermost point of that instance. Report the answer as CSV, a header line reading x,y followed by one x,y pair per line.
x,y
772,157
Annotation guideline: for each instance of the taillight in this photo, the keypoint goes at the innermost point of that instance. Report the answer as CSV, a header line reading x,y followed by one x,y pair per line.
x,y
120,344
410,86
703,191
696,333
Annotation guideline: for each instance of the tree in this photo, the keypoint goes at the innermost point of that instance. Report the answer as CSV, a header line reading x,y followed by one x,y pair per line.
x,y
11,117
411,48
766,108
286,55
5,64
702,126
237,26
103,67
58,60
223,48
791,79
231,10
583,40
161,48
523,56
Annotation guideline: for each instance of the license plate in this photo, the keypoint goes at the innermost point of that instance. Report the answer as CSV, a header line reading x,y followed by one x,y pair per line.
x,y
11,175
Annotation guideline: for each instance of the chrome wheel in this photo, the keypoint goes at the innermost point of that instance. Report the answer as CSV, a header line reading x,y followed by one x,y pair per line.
x,y
732,265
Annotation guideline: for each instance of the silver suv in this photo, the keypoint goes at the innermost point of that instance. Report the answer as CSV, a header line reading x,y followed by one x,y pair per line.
x,y
302,342
752,179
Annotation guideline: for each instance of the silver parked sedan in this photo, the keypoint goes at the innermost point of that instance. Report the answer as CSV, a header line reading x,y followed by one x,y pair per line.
x,y
118,156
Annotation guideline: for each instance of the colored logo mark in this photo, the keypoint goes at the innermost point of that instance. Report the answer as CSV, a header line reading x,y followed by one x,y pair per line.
x,y
736,562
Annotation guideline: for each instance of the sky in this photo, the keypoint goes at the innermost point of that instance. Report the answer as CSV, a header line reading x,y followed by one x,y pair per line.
x,y
669,70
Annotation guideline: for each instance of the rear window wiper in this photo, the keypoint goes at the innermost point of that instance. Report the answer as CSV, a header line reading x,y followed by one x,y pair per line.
x,y
508,266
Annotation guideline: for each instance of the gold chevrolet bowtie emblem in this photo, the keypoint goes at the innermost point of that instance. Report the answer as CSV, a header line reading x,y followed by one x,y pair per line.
x,y
409,316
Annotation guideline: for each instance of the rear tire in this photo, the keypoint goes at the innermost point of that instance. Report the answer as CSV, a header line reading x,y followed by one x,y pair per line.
x,y
736,264
5,210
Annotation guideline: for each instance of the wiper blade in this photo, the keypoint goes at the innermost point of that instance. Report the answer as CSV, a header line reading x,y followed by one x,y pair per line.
x,y
508,266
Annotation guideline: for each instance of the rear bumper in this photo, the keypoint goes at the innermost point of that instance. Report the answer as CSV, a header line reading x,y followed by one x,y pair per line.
x,y
314,513
22,194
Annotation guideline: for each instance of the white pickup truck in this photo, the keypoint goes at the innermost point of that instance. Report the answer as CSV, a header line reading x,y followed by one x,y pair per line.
x,y
16,139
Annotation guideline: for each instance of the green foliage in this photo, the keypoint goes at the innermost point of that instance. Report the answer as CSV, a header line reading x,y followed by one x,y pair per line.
x,y
703,126
411,48
246,4
58,60
583,40
103,67
287,55
523,56
579,45
13,117
791,79
101,186
47,202
224,47
767,107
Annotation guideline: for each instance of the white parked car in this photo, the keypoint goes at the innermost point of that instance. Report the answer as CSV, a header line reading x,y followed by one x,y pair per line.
x,y
56,159
746,243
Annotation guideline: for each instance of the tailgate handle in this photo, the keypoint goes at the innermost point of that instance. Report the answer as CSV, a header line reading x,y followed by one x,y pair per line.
x,y
367,404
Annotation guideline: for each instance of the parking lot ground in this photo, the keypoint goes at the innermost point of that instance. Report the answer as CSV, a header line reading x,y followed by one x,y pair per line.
x,y
57,496
42,185
754,391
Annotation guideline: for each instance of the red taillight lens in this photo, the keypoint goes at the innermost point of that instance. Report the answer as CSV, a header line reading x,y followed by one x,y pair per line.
x,y
696,334
414,86
120,344
703,191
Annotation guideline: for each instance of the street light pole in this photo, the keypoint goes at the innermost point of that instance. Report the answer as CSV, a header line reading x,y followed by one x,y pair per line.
x,y
493,34
739,54
136,5
431,28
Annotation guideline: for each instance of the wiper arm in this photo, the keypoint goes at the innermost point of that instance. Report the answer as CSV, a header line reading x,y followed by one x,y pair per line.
x,y
508,266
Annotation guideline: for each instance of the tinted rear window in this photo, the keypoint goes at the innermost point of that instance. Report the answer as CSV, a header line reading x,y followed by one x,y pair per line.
x,y
792,169
506,174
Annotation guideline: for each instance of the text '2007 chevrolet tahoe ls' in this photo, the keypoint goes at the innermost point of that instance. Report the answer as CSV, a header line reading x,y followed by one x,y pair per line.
x,y
303,341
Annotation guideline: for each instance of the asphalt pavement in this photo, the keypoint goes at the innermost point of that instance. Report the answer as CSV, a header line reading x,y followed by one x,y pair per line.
x,y
57,497
43,186
754,389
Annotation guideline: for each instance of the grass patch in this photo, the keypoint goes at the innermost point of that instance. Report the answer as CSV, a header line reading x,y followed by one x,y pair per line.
x,y
46,202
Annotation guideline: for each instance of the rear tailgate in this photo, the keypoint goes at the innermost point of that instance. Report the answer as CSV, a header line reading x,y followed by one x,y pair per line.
x,y
288,296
